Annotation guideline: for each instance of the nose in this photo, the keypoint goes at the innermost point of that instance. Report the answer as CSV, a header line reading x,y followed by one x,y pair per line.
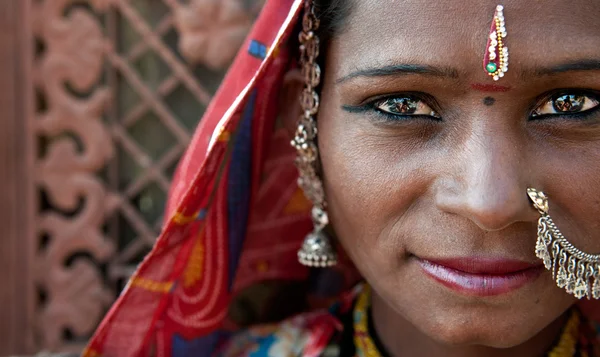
x,y
487,182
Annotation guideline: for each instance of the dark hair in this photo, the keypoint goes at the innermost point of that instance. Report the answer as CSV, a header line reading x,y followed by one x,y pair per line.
x,y
333,15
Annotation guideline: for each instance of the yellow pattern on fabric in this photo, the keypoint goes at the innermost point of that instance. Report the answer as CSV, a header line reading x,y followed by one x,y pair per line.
x,y
88,352
276,51
298,203
151,285
567,345
180,218
262,266
195,266
224,136
365,347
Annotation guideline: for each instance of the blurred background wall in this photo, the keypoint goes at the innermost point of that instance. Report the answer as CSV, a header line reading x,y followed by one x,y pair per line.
x,y
98,100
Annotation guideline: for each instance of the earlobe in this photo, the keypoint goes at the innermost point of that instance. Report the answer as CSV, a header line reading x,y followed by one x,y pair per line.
x,y
290,109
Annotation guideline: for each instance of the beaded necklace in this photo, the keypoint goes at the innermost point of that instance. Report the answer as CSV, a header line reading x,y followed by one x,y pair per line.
x,y
365,346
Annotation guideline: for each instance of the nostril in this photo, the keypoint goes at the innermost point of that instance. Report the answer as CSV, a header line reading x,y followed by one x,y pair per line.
x,y
490,212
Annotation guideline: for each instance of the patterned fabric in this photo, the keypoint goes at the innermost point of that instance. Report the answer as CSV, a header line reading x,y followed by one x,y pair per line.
x,y
235,219
236,216
315,334
293,337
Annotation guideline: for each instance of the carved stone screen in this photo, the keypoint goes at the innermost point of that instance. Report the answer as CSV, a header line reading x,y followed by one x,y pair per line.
x,y
119,87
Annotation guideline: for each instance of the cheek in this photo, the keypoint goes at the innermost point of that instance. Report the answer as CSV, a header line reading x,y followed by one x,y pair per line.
x,y
573,186
372,180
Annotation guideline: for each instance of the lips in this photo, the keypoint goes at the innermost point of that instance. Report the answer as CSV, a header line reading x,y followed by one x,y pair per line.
x,y
481,277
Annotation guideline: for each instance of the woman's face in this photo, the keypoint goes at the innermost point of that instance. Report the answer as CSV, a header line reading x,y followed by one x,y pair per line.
x,y
425,164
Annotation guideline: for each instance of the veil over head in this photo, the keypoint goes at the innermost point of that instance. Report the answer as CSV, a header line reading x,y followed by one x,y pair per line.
x,y
236,216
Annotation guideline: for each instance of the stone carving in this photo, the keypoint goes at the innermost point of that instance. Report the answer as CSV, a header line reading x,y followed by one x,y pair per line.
x,y
212,31
94,100
67,75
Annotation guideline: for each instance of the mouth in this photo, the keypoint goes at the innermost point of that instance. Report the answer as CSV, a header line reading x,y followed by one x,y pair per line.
x,y
481,276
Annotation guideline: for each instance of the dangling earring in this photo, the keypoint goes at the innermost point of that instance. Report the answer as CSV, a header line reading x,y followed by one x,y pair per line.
x,y
575,271
317,250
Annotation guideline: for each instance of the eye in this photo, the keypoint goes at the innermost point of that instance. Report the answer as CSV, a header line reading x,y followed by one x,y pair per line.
x,y
566,104
405,106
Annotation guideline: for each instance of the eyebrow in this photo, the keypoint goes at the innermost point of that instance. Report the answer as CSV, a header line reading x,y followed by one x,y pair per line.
x,y
400,70
573,66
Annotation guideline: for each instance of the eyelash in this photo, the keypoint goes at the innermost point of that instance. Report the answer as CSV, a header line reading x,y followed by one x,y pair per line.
x,y
579,116
371,107
394,117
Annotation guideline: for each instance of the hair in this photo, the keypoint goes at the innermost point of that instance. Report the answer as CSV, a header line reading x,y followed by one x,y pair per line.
x,y
333,15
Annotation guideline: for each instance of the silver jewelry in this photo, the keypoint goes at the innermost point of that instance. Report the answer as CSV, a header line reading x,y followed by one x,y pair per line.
x,y
575,271
317,250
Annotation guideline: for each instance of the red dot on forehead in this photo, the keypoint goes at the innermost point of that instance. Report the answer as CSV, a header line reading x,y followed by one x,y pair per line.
x,y
489,87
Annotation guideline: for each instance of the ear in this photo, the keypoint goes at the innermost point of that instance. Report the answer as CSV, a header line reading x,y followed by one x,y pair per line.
x,y
290,109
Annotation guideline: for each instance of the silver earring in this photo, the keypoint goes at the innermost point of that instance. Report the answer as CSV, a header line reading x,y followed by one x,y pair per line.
x,y
317,250
575,271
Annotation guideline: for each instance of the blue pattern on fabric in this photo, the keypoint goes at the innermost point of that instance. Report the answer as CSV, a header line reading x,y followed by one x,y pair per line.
x,y
198,347
257,49
238,198
287,338
264,346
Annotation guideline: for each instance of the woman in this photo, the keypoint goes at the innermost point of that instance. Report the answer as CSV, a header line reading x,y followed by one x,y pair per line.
x,y
419,179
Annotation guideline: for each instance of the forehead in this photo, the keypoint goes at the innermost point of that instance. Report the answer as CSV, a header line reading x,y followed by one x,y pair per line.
x,y
454,32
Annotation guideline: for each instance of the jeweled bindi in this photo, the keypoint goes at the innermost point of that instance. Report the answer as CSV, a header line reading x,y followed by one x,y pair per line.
x,y
495,60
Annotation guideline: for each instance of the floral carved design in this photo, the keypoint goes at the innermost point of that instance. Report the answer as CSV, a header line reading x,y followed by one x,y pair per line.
x,y
212,31
115,110
67,75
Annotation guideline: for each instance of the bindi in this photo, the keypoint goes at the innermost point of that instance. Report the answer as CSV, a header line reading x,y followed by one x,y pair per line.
x,y
489,101
495,60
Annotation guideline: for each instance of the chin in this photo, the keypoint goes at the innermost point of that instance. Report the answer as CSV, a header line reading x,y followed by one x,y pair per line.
x,y
480,331
454,318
